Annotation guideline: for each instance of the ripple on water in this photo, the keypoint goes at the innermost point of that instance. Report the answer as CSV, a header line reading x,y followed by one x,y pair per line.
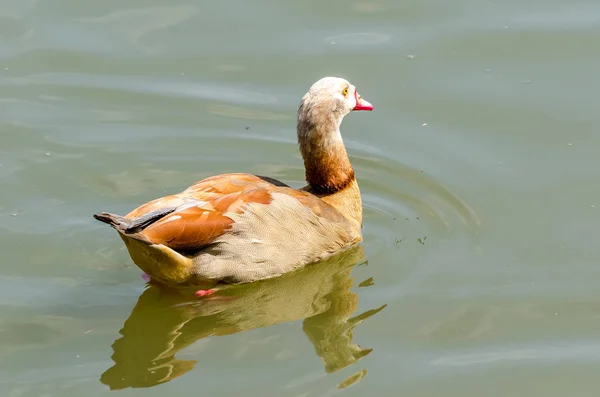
x,y
394,194
245,112
179,88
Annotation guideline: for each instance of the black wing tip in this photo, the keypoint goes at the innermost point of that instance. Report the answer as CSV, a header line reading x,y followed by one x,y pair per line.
x,y
118,222
133,225
103,217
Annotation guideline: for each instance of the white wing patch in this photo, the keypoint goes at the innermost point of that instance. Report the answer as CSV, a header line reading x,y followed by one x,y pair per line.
x,y
189,203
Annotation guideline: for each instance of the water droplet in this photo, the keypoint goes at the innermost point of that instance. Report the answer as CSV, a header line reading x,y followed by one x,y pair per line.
x,y
424,124
592,206
14,214
410,56
570,144
48,154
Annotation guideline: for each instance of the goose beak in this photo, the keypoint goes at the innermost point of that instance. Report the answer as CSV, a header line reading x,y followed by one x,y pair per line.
x,y
361,104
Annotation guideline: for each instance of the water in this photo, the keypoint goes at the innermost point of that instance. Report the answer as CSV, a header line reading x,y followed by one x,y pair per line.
x,y
478,169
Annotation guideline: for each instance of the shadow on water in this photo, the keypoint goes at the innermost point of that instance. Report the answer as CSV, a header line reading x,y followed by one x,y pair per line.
x,y
166,320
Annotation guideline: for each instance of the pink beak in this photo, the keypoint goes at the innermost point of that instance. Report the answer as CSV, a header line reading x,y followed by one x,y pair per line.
x,y
361,104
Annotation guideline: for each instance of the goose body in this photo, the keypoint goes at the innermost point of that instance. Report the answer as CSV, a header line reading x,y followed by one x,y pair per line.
x,y
237,228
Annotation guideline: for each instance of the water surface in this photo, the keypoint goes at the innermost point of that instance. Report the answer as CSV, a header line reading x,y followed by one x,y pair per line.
x,y
478,169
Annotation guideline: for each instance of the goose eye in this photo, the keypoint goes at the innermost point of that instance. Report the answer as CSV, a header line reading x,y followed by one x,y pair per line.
x,y
345,91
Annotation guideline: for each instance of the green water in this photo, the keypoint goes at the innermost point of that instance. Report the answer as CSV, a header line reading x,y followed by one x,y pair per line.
x,y
479,271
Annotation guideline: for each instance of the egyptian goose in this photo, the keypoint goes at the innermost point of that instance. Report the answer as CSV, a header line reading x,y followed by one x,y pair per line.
x,y
238,228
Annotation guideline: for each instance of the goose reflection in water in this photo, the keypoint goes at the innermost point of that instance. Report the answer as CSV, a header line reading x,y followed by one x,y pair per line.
x,y
166,320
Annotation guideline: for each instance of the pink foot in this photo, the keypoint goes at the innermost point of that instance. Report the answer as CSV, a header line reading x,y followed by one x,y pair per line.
x,y
204,292
146,277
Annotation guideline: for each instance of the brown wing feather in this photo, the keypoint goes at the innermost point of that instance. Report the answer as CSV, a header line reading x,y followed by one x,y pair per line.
x,y
155,205
202,219
188,229
227,183
209,189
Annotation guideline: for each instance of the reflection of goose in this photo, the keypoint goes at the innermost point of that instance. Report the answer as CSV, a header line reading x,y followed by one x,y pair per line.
x,y
237,228
165,321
